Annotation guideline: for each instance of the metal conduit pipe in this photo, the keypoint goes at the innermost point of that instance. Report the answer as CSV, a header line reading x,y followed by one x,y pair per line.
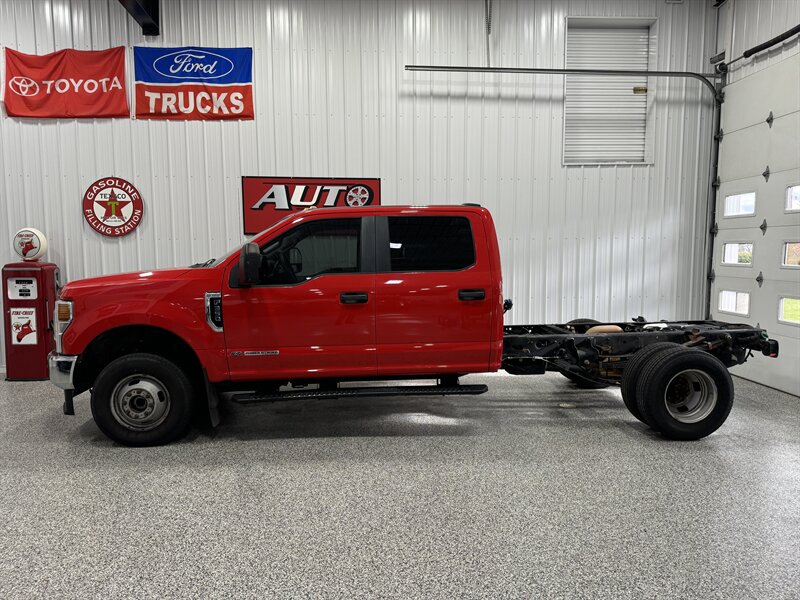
x,y
707,79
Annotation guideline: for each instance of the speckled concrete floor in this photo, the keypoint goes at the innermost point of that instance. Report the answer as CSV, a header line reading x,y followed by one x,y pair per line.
x,y
533,490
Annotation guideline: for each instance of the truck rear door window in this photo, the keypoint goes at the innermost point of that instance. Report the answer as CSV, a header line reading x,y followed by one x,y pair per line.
x,y
323,247
430,244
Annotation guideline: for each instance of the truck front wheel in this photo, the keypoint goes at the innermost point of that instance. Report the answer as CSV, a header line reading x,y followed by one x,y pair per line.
x,y
685,394
142,400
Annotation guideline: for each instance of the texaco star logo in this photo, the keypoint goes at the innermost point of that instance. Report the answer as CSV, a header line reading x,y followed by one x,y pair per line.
x,y
358,195
23,86
113,207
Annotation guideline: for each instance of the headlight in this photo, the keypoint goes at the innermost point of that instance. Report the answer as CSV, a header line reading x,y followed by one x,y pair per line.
x,y
61,320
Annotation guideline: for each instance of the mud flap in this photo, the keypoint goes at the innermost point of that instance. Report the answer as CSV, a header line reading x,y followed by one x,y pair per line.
x,y
69,407
213,401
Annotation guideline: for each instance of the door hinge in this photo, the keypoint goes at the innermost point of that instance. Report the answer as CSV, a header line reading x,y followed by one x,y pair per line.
x,y
760,279
763,227
770,119
765,174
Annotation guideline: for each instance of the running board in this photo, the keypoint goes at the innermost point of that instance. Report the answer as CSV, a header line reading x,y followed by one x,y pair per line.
x,y
364,392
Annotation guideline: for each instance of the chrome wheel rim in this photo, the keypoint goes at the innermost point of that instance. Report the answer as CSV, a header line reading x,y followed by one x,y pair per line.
x,y
691,396
140,402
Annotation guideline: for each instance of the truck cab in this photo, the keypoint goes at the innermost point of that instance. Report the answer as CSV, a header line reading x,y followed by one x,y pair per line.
x,y
326,295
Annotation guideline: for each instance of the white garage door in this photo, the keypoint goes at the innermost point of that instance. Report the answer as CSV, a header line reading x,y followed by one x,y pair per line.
x,y
757,250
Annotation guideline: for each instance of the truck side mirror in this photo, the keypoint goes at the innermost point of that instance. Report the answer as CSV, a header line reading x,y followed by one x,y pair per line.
x,y
249,264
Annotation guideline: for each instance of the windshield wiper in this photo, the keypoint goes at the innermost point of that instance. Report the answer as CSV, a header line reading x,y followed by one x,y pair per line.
x,y
201,265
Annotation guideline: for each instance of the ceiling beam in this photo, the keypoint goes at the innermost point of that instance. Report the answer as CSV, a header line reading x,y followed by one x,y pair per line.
x,y
145,13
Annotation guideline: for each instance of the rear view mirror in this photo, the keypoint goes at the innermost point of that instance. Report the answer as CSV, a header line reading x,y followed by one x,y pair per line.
x,y
295,260
249,264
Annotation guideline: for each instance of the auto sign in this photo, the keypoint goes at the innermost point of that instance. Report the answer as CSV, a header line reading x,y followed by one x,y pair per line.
x,y
266,200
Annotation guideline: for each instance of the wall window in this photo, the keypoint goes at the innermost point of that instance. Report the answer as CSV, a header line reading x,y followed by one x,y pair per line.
x,y
605,118
793,197
430,243
789,310
740,204
310,250
737,253
734,302
791,254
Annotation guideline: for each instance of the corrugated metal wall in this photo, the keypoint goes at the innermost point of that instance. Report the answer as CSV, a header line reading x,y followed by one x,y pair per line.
x,y
747,23
332,99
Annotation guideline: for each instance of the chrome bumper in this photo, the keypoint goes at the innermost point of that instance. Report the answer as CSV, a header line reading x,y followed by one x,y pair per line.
x,y
61,367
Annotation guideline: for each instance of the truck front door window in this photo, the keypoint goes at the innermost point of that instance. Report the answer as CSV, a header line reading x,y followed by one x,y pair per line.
x,y
310,250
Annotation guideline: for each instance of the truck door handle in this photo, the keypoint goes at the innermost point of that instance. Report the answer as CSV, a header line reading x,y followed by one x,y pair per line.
x,y
467,295
353,297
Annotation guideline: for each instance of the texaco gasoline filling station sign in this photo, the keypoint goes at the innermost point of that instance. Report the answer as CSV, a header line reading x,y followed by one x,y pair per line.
x,y
113,207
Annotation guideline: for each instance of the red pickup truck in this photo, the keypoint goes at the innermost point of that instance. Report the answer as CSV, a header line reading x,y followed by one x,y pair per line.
x,y
329,297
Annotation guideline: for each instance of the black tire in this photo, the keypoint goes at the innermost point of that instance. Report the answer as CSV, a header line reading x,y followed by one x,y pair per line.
x,y
630,376
685,394
142,400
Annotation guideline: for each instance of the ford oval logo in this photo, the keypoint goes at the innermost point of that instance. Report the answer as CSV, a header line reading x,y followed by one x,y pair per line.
x,y
193,64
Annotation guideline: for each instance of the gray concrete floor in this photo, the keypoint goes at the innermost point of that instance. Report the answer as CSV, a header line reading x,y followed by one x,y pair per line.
x,y
535,489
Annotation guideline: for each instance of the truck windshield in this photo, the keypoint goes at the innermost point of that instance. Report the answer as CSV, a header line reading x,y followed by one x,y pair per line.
x,y
213,262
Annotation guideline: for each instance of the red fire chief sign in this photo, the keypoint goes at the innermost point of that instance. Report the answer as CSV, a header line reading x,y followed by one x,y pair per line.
x,y
113,206
66,84
266,200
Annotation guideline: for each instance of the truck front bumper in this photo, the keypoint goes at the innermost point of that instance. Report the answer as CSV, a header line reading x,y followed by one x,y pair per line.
x,y
61,368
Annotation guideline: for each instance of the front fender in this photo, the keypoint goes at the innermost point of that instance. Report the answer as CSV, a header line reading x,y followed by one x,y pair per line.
x,y
177,307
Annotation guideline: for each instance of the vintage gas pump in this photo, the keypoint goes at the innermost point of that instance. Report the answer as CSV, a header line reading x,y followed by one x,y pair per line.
x,y
30,289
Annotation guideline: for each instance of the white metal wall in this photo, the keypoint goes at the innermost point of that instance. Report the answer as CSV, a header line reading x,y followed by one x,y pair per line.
x,y
332,99
746,23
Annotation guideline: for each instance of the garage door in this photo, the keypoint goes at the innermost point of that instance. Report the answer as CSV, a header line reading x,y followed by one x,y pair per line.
x,y
757,250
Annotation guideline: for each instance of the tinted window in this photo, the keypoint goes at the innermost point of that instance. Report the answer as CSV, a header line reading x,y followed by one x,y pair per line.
x,y
430,243
312,249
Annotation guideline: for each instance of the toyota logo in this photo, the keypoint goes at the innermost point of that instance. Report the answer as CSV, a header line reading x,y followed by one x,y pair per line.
x,y
23,86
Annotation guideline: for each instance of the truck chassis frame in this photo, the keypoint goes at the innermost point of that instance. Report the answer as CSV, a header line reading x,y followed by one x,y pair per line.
x,y
573,348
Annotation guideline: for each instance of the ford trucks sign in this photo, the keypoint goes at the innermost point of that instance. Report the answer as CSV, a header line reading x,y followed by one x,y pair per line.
x,y
193,83
266,200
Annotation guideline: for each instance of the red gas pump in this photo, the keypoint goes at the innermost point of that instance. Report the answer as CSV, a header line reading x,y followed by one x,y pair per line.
x,y
30,289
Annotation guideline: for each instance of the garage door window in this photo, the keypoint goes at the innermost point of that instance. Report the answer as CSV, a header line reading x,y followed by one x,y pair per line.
x,y
740,204
789,311
430,244
605,118
791,254
737,253
731,301
793,198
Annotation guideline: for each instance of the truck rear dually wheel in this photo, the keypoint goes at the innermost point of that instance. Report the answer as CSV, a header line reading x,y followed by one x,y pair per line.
x,y
630,376
142,400
685,394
